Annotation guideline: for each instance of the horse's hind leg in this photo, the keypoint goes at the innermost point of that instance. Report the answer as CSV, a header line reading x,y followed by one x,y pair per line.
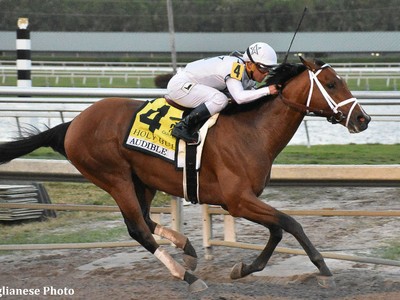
x,y
177,270
122,189
145,196
180,241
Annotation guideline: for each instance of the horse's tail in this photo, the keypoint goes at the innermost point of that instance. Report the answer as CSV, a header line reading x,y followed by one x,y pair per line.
x,y
53,137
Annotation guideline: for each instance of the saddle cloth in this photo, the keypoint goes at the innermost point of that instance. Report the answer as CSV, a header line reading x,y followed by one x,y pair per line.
x,y
150,132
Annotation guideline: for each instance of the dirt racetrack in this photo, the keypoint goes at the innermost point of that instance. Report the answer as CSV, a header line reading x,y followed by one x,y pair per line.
x,y
132,273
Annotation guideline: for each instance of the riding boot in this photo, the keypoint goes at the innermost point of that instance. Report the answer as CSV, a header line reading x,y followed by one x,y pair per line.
x,y
186,129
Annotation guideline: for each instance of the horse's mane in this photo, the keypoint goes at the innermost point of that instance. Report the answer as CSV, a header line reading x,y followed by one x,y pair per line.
x,y
282,73
278,76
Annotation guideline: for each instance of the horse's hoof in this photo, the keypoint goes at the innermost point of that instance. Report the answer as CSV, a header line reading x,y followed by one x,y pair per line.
x,y
190,261
327,282
197,286
236,272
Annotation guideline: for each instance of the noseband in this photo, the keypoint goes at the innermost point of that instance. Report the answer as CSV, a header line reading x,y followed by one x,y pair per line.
x,y
334,115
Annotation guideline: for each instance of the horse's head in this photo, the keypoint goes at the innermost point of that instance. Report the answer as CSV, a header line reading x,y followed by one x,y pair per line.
x,y
330,92
330,97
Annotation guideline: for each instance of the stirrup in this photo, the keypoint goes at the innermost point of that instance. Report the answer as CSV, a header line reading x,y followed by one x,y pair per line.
x,y
183,134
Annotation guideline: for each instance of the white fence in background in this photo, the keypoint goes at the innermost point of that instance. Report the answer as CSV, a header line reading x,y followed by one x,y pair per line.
x,y
107,73
168,64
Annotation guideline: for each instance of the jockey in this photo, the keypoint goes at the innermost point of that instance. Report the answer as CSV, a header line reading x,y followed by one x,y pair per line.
x,y
207,85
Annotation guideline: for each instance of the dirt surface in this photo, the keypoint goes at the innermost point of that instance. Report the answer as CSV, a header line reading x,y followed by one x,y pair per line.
x,y
132,273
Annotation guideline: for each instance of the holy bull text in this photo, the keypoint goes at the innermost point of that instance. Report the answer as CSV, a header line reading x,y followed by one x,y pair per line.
x,y
147,135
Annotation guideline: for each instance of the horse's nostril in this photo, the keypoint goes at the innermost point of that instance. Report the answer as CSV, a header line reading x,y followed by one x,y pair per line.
x,y
363,119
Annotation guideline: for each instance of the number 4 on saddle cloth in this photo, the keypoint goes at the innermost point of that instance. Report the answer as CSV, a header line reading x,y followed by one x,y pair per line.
x,y
150,132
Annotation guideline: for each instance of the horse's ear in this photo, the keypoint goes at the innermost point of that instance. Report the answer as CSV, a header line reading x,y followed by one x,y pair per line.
x,y
309,64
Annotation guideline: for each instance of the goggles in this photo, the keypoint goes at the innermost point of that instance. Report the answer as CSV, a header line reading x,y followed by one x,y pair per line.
x,y
263,68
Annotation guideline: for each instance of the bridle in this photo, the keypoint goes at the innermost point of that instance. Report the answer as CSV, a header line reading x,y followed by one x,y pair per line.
x,y
334,115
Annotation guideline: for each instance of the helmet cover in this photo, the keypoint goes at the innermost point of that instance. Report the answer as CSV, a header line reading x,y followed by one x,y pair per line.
x,y
261,53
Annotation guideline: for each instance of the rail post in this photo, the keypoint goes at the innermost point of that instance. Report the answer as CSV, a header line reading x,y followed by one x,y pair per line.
x,y
207,231
24,63
176,214
229,228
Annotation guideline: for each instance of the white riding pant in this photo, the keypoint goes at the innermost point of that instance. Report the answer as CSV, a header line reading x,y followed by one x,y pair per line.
x,y
187,93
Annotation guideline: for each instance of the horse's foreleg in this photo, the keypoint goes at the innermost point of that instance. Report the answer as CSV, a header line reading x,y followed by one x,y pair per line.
x,y
257,211
241,270
291,226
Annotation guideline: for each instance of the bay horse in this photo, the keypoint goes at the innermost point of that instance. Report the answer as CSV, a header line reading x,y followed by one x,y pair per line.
x,y
236,165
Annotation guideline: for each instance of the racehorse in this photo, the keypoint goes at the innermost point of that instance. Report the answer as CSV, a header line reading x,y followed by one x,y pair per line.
x,y
236,166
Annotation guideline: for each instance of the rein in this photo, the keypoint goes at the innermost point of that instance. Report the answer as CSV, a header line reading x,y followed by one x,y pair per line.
x,y
334,115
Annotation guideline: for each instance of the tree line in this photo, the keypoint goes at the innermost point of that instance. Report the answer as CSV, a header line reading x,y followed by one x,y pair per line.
x,y
202,15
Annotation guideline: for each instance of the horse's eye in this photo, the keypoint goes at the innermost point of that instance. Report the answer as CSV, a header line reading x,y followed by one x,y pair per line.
x,y
331,85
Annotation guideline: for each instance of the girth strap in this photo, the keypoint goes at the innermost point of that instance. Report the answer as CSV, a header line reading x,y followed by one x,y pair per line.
x,y
191,176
